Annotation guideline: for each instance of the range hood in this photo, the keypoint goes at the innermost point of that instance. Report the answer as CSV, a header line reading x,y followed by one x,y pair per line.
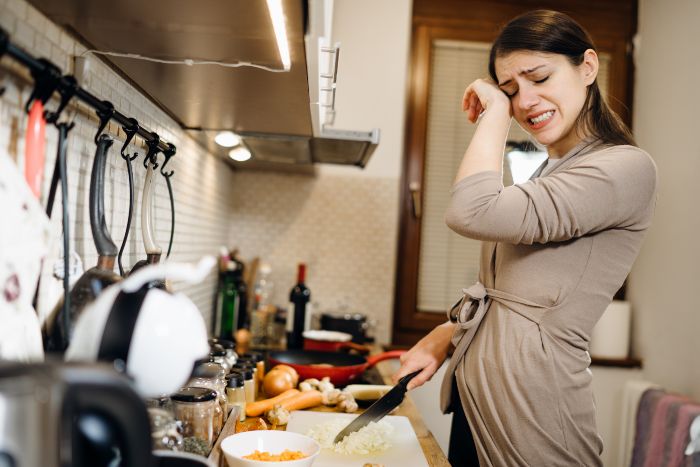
x,y
284,118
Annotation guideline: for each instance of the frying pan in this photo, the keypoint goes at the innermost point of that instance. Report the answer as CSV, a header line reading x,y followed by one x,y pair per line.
x,y
95,279
340,367
153,251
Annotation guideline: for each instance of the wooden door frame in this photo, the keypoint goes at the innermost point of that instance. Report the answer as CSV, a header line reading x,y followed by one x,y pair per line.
x,y
453,19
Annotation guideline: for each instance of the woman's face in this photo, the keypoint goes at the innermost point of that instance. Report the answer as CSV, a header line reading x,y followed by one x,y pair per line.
x,y
547,94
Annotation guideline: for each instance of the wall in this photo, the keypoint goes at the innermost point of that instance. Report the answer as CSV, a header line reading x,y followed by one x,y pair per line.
x,y
202,183
342,222
665,278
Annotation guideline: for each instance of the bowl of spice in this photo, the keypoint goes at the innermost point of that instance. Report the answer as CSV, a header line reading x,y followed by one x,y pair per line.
x,y
259,448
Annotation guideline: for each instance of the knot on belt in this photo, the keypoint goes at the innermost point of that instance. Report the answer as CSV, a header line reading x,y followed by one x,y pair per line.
x,y
470,309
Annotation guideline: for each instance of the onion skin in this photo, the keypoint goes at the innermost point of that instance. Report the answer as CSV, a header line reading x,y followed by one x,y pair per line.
x,y
276,382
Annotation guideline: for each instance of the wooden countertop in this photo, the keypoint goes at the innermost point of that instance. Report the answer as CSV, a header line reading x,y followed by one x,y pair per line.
x,y
431,449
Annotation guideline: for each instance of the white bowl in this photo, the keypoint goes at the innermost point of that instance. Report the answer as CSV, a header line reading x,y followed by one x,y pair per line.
x,y
273,441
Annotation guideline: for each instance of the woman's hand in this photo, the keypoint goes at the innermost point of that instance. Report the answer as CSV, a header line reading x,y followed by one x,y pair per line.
x,y
483,95
427,355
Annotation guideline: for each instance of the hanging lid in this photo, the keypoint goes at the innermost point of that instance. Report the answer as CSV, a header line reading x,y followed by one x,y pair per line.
x,y
194,394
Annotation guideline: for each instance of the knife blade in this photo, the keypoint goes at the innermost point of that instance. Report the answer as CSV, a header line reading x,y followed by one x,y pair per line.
x,y
379,409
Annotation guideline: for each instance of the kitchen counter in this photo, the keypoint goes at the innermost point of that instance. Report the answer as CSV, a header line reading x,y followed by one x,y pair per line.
x,y
431,449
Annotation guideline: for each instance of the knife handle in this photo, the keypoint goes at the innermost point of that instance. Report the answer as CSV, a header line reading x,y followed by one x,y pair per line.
x,y
404,381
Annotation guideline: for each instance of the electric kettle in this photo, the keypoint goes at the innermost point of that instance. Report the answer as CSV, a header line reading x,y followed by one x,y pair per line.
x,y
71,415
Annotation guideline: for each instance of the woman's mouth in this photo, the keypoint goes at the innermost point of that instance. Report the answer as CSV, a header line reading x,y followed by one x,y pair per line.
x,y
540,120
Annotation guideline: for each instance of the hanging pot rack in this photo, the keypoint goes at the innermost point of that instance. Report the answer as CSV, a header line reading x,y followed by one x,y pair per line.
x,y
48,79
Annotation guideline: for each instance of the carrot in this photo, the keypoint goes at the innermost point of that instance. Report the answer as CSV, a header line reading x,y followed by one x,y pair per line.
x,y
257,408
303,400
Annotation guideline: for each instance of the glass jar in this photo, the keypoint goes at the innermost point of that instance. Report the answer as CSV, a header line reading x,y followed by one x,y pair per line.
x,y
198,411
248,382
212,376
165,433
235,393
229,346
250,363
259,361
217,354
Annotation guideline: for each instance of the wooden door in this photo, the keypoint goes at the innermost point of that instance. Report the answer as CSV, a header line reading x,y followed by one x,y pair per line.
x,y
435,22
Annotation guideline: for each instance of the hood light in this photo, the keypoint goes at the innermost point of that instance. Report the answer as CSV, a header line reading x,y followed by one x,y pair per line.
x,y
239,154
227,139
277,16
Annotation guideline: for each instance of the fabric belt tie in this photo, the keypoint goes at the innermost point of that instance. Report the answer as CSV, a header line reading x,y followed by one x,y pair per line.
x,y
468,313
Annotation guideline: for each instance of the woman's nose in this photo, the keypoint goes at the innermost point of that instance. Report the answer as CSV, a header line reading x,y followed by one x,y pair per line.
x,y
528,97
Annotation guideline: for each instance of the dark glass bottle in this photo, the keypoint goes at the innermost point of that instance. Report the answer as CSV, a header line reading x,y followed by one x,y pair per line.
x,y
243,320
230,301
297,313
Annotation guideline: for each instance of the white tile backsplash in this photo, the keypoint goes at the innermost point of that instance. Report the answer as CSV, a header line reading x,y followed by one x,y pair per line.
x,y
202,184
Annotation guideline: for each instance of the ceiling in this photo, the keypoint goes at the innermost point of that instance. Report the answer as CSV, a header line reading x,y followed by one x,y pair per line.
x,y
207,97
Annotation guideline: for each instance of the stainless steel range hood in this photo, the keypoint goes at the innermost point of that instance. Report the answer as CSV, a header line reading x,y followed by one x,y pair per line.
x,y
285,119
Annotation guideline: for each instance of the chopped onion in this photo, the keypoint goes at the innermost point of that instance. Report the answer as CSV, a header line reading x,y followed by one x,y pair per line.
x,y
372,438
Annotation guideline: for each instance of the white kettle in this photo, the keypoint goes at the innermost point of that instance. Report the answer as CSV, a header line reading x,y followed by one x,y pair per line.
x,y
152,335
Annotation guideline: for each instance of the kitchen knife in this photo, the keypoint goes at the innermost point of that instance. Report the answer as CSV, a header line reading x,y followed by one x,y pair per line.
x,y
379,409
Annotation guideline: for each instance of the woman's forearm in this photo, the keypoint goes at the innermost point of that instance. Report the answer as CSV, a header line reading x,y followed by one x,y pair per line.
x,y
485,151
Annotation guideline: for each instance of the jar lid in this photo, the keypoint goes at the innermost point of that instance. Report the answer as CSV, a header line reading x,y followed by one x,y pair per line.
x,y
194,394
209,370
235,380
217,350
247,372
254,356
225,343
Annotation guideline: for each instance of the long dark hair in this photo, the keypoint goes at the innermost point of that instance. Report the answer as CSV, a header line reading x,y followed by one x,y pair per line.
x,y
554,32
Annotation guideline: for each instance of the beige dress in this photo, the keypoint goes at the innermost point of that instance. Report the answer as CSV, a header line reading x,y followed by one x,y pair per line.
x,y
555,250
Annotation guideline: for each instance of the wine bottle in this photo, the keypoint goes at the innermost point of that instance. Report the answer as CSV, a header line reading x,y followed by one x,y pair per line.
x,y
299,298
230,302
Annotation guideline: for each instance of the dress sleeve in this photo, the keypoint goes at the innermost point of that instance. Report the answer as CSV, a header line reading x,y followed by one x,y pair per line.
x,y
612,189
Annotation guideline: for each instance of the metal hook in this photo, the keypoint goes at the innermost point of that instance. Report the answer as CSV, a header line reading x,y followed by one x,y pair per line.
x,y
105,115
153,150
170,152
130,131
67,94
46,82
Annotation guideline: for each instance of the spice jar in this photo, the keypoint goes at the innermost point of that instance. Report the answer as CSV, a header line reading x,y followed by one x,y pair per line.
x,y
248,382
217,354
235,393
259,360
229,346
213,376
198,411
250,363
164,428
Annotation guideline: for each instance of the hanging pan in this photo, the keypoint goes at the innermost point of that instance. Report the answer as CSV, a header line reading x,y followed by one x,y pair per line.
x,y
95,279
153,250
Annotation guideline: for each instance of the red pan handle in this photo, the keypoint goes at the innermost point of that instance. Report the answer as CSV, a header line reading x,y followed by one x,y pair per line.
x,y
374,359
34,146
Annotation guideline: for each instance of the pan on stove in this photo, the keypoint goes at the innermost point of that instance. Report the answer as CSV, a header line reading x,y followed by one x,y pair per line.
x,y
95,279
340,367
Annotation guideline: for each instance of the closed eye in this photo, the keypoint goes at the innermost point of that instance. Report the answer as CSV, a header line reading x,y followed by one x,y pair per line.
x,y
542,80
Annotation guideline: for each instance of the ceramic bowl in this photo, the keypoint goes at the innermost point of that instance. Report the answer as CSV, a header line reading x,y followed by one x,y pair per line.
x,y
271,441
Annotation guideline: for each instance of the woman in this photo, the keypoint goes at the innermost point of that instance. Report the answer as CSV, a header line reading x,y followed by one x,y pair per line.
x,y
555,250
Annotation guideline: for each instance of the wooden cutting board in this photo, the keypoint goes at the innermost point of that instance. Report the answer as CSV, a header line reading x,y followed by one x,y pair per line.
x,y
404,452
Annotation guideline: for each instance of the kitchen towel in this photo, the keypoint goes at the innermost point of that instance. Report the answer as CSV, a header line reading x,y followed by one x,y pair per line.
x,y
662,434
